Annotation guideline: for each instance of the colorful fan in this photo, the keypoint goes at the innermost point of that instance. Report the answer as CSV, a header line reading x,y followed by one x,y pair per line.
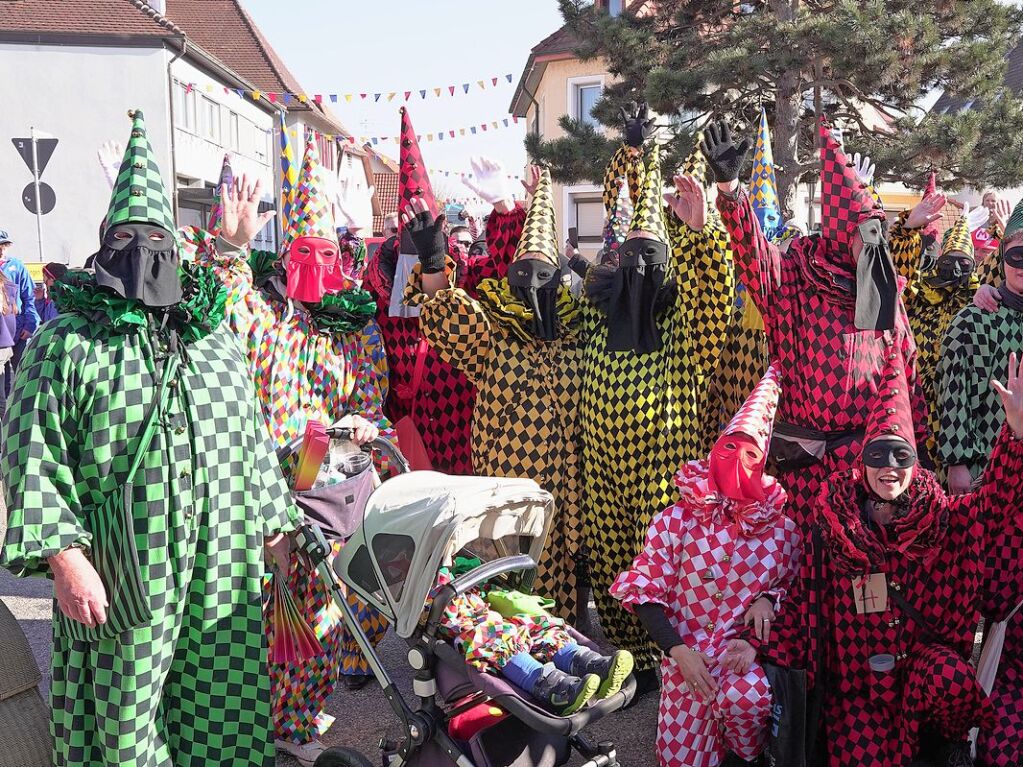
x,y
310,456
293,639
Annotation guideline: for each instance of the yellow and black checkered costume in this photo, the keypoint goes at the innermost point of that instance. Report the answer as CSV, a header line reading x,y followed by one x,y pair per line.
x,y
639,411
526,417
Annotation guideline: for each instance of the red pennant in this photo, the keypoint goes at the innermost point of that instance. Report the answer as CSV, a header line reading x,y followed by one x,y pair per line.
x,y
273,97
451,89
318,98
484,126
407,94
452,133
362,95
493,80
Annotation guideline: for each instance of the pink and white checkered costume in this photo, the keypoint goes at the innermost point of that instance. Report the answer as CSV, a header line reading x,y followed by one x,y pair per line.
x,y
706,560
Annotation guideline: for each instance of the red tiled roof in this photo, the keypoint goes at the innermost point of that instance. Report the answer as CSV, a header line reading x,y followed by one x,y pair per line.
x,y
88,17
561,41
386,192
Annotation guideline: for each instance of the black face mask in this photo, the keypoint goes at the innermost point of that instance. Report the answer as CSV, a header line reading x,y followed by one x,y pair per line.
x,y
889,453
951,270
637,285
140,262
1014,257
536,284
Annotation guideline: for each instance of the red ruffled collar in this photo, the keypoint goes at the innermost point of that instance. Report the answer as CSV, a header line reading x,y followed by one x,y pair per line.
x,y
710,507
916,532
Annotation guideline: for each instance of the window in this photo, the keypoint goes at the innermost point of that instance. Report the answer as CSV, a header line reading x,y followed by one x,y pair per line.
x,y
615,7
586,97
589,218
209,120
234,132
184,106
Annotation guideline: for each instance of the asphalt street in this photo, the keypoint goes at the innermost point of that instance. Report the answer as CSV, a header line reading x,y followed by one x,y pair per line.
x,y
363,717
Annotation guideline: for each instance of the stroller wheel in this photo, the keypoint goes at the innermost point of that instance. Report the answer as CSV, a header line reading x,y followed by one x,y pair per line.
x,y
339,756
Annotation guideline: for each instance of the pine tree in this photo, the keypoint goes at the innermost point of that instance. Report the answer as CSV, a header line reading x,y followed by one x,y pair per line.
x,y
694,59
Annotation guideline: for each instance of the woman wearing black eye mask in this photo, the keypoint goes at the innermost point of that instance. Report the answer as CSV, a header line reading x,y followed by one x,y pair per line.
x,y
893,588
520,343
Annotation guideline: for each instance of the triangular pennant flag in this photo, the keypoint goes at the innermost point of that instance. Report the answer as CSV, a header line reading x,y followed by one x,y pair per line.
x,y
429,138
505,121
461,131
451,89
465,87
452,133
494,125
508,78
391,95
422,93
436,92
188,88
473,131
362,96
494,81
348,98
286,97
318,98
240,92
407,94
440,136
333,98
484,126
376,96
256,95
303,98
374,141
481,84
515,119
209,89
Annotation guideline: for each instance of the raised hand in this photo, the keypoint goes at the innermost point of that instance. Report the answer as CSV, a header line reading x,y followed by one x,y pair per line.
x,y
489,182
926,211
688,202
110,155
428,234
637,125
724,156
864,169
1011,394
532,179
242,219
1001,213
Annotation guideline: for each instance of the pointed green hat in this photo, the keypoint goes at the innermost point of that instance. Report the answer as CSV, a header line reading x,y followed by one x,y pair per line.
x,y
140,196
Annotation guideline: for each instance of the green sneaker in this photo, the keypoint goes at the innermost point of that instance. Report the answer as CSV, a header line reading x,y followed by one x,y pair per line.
x,y
563,692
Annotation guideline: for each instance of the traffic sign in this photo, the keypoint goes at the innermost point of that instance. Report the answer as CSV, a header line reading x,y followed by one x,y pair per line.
x,y
46,193
44,151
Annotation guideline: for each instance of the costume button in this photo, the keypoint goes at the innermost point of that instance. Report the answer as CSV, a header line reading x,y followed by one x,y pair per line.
x,y
894,623
186,472
180,430
710,626
896,586
727,558
719,596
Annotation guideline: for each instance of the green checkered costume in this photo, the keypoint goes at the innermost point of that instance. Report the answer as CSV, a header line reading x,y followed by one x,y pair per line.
x,y
189,688
975,351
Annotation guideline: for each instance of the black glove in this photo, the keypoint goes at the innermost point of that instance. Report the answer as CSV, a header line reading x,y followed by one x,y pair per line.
x,y
724,157
637,125
430,240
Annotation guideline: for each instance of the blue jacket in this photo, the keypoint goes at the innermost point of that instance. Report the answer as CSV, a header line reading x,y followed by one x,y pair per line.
x,y
46,308
15,271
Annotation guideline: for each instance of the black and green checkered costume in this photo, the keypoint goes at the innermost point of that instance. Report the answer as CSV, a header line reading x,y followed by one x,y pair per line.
x,y
975,351
190,687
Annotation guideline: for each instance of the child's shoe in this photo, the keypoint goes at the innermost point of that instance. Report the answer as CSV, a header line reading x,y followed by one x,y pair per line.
x,y
563,692
613,670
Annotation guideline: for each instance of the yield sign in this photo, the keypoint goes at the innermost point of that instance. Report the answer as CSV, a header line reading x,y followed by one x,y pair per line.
x,y
44,151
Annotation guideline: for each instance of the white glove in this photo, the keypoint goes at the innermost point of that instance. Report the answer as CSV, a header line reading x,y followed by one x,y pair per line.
x,y
864,169
836,133
976,218
354,205
110,155
489,181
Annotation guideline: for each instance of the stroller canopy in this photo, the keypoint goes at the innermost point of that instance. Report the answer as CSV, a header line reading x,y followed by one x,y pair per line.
x,y
416,522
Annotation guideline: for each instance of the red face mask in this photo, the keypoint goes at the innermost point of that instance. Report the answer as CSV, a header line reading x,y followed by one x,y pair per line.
x,y
314,269
737,468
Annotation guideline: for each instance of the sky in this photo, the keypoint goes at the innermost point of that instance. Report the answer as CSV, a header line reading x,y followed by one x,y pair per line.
x,y
385,46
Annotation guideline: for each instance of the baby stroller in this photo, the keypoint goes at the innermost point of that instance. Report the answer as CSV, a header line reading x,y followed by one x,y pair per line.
x,y
397,540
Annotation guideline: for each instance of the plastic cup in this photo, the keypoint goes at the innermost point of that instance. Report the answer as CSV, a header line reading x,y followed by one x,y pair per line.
x,y
882,663
355,464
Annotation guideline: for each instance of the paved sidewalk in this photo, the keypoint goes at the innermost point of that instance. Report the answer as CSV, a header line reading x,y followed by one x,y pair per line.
x,y
363,717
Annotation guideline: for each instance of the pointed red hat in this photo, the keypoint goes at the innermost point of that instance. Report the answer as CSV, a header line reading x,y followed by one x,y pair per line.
x,y
413,178
755,418
845,201
891,414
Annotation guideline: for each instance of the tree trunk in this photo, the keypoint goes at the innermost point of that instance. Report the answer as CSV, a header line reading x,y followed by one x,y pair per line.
x,y
787,106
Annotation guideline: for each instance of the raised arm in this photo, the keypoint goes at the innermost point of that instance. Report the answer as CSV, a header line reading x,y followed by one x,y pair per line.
x,y
242,222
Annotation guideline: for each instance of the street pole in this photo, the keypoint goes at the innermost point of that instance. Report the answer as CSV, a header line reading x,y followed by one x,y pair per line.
x,y
39,197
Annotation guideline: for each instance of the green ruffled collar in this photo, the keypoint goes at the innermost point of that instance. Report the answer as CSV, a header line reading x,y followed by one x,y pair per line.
x,y
200,311
348,311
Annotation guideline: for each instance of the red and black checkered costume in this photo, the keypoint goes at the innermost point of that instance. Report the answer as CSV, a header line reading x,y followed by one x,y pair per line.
x,y
445,399
831,370
1001,745
933,554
